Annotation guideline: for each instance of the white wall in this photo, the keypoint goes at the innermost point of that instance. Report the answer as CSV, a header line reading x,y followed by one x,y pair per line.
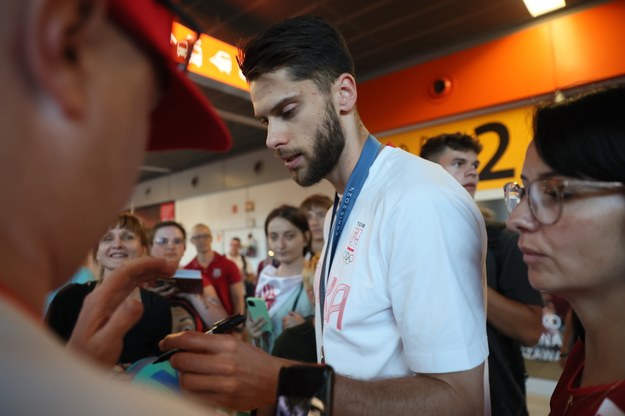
x,y
225,212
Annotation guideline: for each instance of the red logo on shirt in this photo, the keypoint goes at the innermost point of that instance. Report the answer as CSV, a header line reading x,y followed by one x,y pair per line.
x,y
268,293
335,302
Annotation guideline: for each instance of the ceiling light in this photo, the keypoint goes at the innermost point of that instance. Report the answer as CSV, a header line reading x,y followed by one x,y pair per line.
x,y
538,7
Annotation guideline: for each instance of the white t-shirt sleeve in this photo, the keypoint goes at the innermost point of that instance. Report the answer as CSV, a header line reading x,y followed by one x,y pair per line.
x,y
436,285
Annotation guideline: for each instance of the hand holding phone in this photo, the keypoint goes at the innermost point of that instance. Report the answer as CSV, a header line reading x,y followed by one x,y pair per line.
x,y
257,308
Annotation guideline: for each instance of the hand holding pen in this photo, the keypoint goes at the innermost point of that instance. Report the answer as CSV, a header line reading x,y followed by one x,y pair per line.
x,y
224,326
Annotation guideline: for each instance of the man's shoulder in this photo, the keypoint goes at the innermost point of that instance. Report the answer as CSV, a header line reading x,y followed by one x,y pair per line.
x,y
193,264
223,260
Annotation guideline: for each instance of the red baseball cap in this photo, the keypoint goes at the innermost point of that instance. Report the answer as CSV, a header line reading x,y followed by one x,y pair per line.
x,y
184,119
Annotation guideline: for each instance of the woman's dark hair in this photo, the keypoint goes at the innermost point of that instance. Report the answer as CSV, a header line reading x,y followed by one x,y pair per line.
x,y
295,217
584,137
308,46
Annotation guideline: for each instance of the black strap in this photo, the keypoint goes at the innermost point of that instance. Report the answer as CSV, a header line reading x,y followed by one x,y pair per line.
x,y
299,292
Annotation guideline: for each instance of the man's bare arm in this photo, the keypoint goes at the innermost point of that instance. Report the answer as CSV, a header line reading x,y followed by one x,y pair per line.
x,y
459,393
523,323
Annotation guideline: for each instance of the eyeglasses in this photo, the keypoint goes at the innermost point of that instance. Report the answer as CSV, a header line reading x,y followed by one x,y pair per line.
x,y
189,22
547,196
163,241
201,237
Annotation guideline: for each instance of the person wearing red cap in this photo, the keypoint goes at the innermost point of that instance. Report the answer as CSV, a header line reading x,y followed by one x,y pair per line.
x,y
84,84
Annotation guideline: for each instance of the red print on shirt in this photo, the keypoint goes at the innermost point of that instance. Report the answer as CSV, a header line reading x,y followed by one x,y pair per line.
x,y
335,302
268,294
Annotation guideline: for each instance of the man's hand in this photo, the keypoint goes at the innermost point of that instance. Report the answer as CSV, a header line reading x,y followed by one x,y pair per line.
x,y
107,312
254,327
224,370
292,319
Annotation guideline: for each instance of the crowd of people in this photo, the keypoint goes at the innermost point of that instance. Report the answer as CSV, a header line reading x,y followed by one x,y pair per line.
x,y
418,303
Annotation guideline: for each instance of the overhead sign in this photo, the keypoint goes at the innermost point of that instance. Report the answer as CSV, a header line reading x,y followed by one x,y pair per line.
x,y
210,57
504,135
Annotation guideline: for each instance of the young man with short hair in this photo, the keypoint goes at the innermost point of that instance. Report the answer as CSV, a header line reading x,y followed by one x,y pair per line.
x,y
217,271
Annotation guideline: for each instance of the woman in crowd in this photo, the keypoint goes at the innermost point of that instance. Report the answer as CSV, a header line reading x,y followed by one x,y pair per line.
x,y
570,213
282,287
190,311
125,240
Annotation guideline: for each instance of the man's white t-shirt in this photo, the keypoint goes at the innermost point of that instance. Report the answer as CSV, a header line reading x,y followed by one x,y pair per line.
x,y
405,293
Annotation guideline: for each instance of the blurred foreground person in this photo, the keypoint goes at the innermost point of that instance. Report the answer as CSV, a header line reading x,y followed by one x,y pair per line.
x,y
83,84
570,212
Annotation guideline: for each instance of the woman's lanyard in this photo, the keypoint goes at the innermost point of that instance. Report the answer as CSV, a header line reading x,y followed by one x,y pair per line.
x,y
370,151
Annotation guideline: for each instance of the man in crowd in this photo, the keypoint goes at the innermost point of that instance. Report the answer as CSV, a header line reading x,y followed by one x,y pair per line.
x,y
315,207
217,270
83,85
243,263
514,308
400,307
190,311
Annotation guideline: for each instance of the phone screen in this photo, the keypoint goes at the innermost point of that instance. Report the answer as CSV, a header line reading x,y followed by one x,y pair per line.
x,y
305,390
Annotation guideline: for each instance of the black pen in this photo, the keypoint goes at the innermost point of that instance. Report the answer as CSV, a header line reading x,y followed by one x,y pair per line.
x,y
220,327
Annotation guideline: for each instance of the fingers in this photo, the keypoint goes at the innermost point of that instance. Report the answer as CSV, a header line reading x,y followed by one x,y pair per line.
x,y
105,317
106,343
199,342
223,370
124,318
254,327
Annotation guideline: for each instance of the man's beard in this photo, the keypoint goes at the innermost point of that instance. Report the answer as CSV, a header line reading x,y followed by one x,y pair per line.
x,y
329,143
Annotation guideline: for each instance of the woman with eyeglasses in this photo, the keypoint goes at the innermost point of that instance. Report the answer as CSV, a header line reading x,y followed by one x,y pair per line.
x,y
570,213
190,311
125,240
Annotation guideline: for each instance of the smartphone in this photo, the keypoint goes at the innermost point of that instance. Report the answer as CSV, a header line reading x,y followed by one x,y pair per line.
x,y
187,281
257,308
305,390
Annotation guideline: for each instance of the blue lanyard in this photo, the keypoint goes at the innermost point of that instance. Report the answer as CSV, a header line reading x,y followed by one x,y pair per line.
x,y
341,213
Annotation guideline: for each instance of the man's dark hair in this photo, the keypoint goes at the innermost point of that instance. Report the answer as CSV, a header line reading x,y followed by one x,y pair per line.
x,y
163,224
308,46
436,145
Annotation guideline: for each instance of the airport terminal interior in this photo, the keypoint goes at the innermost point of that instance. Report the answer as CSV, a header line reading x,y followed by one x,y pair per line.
x,y
423,68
